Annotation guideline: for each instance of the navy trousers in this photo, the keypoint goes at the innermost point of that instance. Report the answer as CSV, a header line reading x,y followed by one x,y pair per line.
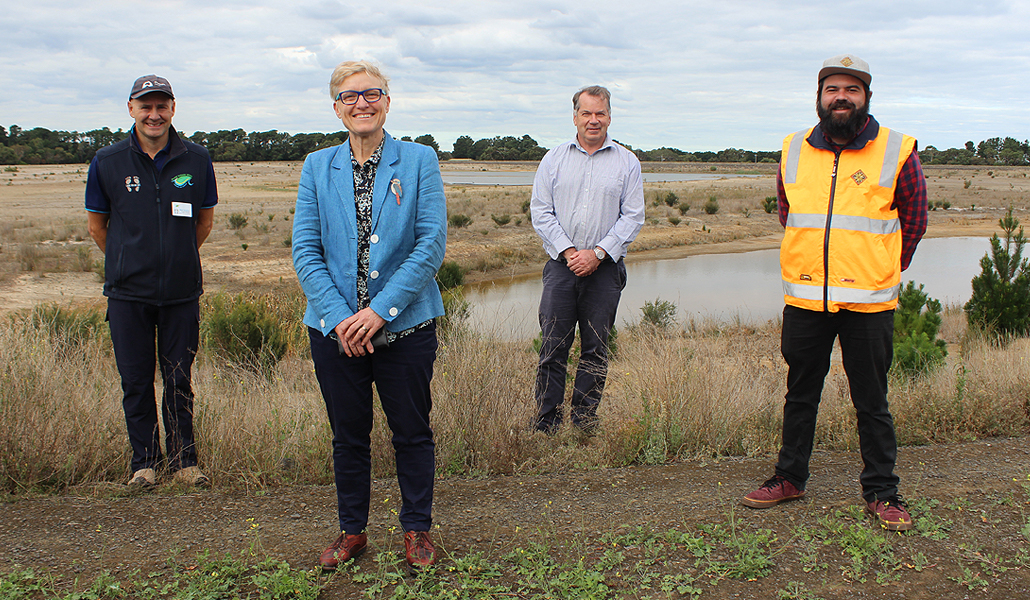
x,y
402,374
133,327
867,348
567,301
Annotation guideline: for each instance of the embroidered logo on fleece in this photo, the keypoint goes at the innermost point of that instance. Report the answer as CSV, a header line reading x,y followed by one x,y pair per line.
x,y
858,176
183,180
132,183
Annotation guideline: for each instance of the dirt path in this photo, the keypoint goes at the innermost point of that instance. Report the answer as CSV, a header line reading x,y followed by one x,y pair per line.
x,y
978,487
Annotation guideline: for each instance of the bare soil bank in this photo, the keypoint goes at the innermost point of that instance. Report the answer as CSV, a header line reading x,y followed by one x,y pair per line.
x,y
977,488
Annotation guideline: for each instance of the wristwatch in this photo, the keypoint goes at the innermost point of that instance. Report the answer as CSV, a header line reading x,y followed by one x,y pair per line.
x,y
599,253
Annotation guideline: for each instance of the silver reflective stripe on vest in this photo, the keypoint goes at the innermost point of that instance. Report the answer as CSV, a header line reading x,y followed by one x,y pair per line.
x,y
853,296
848,222
805,292
839,294
794,157
865,224
890,159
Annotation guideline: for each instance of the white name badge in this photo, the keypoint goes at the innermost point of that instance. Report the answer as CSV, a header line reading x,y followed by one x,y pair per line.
x,y
182,209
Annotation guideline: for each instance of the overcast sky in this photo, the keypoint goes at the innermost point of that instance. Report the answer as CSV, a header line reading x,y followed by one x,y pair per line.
x,y
687,74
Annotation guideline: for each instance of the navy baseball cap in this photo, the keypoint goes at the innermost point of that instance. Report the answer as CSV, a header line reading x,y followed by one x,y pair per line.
x,y
149,84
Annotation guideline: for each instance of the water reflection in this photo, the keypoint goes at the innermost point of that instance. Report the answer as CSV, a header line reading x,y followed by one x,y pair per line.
x,y
725,287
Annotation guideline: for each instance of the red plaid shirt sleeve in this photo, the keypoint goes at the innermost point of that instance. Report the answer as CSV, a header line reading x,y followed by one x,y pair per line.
x,y
909,200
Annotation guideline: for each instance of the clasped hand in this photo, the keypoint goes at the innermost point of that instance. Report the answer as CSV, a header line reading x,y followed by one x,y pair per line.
x,y
355,332
581,262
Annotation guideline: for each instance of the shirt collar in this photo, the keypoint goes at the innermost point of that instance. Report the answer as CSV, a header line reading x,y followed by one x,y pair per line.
x,y
135,143
607,144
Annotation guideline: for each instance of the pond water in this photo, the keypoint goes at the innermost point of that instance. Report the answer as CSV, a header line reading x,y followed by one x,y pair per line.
x,y
526,177
724,287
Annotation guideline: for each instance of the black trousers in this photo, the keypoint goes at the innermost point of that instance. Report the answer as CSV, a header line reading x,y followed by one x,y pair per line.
x,y
866,341
402,374
591,303
133,326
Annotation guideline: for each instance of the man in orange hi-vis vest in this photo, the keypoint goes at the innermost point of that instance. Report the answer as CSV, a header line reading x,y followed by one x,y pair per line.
x,y
852,200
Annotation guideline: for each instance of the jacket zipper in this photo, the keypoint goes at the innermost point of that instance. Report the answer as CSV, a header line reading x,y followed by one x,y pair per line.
x,y
826,234
160,232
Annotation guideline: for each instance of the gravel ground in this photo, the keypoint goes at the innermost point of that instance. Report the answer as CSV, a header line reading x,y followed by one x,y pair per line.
x,y
981,488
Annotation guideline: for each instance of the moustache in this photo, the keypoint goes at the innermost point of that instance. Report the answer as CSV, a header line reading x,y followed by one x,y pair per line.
x,y
838,104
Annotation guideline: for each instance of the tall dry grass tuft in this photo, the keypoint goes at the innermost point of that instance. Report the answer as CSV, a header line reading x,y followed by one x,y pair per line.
x,y
60,406
983,393
262,427
705,392
483,404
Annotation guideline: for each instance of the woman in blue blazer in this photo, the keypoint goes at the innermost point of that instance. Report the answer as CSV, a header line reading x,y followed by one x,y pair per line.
x,y
368,238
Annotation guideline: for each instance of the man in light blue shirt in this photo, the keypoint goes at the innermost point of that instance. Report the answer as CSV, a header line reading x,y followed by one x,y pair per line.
x,y
587,207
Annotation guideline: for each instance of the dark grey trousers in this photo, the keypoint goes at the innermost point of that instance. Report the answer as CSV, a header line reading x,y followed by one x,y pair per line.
x,y
568,301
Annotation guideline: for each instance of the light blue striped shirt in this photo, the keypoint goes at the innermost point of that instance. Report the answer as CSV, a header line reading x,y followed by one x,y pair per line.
x,y
582,200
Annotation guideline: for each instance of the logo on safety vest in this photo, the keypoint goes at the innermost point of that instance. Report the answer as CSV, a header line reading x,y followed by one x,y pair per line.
x,y
859,176
132,183
804,277
181,181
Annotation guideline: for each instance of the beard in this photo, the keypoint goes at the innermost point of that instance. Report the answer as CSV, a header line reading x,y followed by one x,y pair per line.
x,y
846,128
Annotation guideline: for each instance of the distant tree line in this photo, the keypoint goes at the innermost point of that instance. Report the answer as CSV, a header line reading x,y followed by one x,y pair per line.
x,y
43,146
995,151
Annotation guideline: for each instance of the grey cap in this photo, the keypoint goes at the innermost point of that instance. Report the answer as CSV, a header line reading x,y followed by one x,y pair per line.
x,y
846,64
151,83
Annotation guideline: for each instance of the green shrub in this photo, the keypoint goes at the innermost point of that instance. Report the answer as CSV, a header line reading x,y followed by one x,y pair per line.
x,y
916,347
459,220
450,275
712,205
671,199
1000,303
237,221
769,204
249,331
675,221
525,206
683,207
501,220
457,311
660,314
68,328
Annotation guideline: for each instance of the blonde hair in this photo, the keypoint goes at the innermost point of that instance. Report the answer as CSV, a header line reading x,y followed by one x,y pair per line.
x,y
353,67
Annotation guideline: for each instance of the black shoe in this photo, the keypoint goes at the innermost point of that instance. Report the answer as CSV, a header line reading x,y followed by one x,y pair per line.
x,y
548,427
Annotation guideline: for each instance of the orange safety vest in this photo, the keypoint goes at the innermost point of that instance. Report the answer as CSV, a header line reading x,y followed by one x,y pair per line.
x,y
842,244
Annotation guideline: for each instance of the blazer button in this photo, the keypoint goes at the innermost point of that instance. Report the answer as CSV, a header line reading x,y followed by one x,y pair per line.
x,y
321,322
374,239
394,311
374,274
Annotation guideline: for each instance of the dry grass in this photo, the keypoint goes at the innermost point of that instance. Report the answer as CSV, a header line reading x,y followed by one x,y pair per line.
x,y
702,390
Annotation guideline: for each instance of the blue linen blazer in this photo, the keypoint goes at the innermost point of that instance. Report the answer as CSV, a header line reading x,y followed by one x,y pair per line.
x,y
408,236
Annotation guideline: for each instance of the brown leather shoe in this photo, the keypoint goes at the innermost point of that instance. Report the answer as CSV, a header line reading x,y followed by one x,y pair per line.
x,y
343,549
418,549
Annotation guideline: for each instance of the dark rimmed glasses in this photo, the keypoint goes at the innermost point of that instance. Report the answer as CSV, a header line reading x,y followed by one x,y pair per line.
x,y
350,97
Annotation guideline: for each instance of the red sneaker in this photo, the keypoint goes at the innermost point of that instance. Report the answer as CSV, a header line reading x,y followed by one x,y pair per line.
x,y
771,493
343,549
418,549
891,513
